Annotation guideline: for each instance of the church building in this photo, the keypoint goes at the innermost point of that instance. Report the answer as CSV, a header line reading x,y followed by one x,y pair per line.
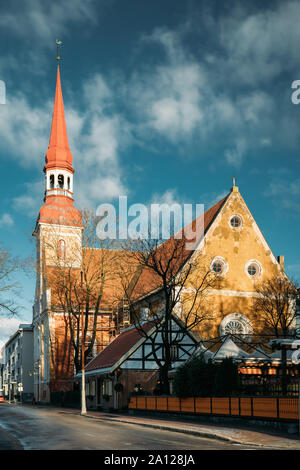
x,y
233,247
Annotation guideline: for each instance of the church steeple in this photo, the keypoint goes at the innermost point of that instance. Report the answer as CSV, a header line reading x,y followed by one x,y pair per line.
x,y
58,154
58,205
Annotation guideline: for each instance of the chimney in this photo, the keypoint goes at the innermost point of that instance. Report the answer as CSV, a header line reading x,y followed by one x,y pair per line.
x,y
280,260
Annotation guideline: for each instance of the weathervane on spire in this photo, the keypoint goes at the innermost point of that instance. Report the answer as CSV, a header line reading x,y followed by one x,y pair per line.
x,y
58,44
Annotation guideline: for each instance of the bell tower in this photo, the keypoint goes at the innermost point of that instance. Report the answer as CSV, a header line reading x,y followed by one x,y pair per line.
x,y
58,234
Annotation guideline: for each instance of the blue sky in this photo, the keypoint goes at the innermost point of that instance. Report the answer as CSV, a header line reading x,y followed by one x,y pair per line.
x,y
165,100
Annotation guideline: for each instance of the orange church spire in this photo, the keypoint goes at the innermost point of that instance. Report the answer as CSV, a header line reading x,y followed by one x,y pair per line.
x,y
58,154
58,207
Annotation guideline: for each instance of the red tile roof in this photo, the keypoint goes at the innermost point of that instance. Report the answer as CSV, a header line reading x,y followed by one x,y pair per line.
x,y
149,280
123,271
120,346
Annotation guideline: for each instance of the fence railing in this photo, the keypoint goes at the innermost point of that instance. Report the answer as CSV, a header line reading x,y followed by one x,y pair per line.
x,y
274,408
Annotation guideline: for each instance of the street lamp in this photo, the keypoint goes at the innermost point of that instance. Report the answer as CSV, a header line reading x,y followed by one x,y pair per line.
x,y
83,399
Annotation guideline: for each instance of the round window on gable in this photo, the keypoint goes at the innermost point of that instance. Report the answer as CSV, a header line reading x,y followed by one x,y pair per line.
x,y
253,269
236,221
219,266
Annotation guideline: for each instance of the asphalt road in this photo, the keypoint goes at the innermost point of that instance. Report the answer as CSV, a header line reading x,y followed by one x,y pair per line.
x,y
38,428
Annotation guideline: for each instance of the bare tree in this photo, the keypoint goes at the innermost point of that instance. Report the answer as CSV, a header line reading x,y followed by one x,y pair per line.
x,y
168,280
8,266
274,305
78,280
275,308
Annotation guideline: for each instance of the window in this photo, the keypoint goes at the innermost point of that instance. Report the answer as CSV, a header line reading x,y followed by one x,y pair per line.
x,y
253,269
219,265
61,249
236,324
236,221
69,184
174,352
107,387
60,181
51,181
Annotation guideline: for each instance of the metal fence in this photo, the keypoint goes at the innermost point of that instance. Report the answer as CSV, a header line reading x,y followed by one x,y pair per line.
x,y
273,408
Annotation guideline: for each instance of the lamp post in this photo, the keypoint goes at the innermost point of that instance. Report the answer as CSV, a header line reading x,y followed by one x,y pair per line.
x,y
83,398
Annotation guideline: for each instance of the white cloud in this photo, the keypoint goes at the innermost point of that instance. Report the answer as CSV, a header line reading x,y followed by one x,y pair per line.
x,y
235,155
30,201
97,134
170,196
24,130
258,43
42,21
285,193
6,220
183,100
8,326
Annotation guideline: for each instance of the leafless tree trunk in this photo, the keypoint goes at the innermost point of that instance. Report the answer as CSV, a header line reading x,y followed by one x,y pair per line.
x,y
275,307
8,267
168,280
77,285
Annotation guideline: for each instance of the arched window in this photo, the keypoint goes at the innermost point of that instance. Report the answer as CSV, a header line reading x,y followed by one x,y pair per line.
x,y
51,181
60,181
69,184
62,249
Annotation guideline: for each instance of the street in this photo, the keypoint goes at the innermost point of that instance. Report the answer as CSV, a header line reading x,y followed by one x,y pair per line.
x,y
41,428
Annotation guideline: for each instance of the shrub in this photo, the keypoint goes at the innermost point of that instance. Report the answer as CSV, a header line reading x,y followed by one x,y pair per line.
x,y
198,378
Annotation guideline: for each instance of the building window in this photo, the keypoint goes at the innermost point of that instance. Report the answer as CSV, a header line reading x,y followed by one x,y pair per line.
x,y
60,181
253,269
219,265
236,221
107,387
174,352
51,181
236,324
69,184
62,249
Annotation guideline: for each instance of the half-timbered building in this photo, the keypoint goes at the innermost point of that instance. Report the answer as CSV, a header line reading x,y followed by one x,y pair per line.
x,y
128,365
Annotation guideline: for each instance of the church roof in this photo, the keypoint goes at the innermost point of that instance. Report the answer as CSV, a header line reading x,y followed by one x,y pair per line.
x,y
58,208
124,274
58,153
149,280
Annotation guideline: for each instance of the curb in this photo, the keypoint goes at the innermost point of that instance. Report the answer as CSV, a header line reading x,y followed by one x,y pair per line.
x,y
186,431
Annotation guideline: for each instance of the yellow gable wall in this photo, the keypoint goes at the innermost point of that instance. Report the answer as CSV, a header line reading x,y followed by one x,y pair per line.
x,y
237,247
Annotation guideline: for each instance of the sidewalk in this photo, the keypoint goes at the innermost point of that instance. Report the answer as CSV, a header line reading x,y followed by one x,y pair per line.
x,y
238,435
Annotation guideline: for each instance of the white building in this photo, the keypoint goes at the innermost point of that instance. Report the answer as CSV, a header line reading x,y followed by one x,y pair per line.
x,y
18,371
